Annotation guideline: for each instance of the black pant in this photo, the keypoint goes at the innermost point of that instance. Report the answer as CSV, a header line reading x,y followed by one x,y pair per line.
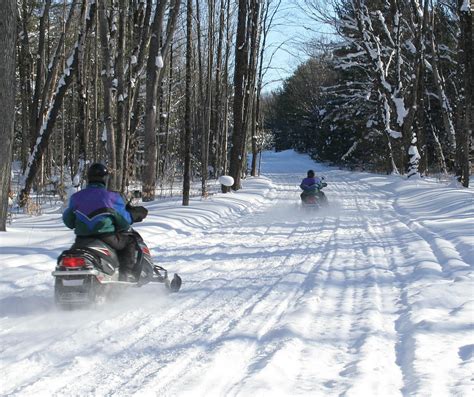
x,y
124,244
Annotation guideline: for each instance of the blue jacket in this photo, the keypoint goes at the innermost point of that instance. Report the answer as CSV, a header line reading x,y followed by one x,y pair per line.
x,y
311,184
95,210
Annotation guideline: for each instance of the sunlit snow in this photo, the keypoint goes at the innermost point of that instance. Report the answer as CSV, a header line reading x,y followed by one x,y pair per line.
x,y
372,296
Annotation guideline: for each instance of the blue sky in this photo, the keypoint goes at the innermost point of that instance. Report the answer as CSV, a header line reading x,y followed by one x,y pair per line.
x,y
285,43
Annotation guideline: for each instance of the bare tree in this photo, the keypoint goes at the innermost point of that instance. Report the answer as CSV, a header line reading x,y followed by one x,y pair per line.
x,y
188,98
266,21
35,114
206,132
25,64
226,93
240,87
8,20
107,75
445,104
46,128
465,131
216,113
246,62
157,57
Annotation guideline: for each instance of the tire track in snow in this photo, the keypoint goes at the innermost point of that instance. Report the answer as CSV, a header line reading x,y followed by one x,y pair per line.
x,y
369,311
446,253
98,341
226,336
311,327
424,259
394,247
285,337
314,320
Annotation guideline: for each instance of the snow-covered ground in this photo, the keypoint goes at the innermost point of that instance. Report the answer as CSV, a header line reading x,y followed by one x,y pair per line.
x,y
372,297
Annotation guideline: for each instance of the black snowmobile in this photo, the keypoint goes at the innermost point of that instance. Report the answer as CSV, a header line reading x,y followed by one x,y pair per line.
x,y
315,198
88,273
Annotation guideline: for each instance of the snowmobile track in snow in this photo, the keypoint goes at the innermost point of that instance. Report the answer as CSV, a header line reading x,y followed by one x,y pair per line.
x,y
357,299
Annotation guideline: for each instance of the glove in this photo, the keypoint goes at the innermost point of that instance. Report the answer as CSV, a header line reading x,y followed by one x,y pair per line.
x,y
137,213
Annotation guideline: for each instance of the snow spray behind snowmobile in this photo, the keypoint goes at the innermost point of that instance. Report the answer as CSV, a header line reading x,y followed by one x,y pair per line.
x,y
88,272
315,198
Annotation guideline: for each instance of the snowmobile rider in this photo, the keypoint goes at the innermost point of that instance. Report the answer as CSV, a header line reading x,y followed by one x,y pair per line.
x,y
99,213
311,186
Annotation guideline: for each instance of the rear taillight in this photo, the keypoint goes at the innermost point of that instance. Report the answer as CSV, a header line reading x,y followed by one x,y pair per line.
x,y
72,261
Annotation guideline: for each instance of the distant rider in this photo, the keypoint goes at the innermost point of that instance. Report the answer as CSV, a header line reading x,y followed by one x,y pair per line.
x,y
102,214
311,186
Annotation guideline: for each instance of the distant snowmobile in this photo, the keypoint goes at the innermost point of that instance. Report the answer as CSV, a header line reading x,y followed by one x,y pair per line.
x,y
314,197
88,273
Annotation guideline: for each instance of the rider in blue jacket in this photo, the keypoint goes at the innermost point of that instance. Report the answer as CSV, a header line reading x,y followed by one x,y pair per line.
x,y
100,213
311,186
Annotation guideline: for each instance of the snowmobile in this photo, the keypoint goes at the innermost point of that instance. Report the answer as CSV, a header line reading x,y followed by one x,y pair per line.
x,y
88,273
314,199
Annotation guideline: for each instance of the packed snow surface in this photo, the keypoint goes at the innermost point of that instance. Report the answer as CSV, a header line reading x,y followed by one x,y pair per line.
x,y
372,296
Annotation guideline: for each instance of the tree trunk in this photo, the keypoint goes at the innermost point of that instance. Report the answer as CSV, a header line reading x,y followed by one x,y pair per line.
x,y
107,83
438,147
256,149
83,111
141,38
445,106
253,167
206,133
156,60
253,38
216,115
8,20
166,154
226,95
200,103
97,136
188,98
25,67
35,114
464,134
240,86
120,70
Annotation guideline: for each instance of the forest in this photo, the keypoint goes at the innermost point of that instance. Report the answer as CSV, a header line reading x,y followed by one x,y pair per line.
x,y
394,94
170,92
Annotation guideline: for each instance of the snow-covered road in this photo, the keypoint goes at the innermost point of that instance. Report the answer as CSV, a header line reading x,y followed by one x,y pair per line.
x,y
371,297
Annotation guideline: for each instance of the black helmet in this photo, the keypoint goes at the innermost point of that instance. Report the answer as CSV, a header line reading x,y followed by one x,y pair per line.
x,y
311,174
97,172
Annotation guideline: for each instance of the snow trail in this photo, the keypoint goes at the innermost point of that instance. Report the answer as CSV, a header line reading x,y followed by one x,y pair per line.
x,y
372,296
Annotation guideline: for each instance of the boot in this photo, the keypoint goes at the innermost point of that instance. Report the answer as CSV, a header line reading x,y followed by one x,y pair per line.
x,y
126,275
